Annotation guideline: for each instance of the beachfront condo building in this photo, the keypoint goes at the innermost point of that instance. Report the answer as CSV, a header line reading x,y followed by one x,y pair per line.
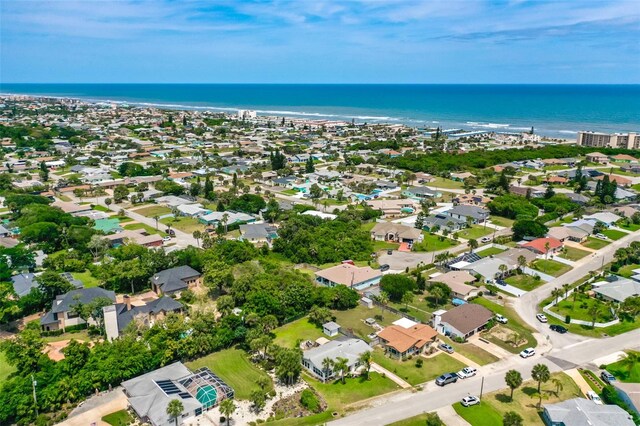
x,y
606,140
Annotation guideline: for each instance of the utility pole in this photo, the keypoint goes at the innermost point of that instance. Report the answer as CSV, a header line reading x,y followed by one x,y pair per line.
x,y
481,388
35,399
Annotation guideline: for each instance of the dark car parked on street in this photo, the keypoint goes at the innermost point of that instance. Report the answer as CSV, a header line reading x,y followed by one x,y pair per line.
x,y
558,328
447,378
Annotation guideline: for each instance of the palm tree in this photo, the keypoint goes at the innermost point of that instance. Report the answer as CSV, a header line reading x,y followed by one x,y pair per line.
x,y
225,219
383,299
503,270
406,299
197,235
341,365
513,378
472,244
547,246
556,293
174,409
593,312
565,287
511,418
558,384
365,359
227,407
630,361
540,373
327,365
522,262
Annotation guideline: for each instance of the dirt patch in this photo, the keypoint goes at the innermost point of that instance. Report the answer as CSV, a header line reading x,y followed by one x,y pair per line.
x,y
504,334
291,407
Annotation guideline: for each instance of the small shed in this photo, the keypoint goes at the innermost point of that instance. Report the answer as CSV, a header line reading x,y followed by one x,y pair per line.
x,y
365,301
331,328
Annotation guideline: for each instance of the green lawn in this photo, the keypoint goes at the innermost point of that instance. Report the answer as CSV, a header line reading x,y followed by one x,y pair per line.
x,y
495,404
5,368
502,221
490,251
384,245
580,309
152,211
524,282
586,330
101,208
118,418
595,243
550,267
442,183
419,420
627,270
289,192
184,224
630,227
515,324
353,319
614,234
87,279
316,419
149,229
368,226
636,187
233,366
431,367
353,390
624,373
572,253
474,233
82,335
432,242
414,311
471,351
289,334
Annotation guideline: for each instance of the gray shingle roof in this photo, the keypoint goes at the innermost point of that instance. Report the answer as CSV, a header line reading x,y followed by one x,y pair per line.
x,y
173,279
83,295
164,303
582,412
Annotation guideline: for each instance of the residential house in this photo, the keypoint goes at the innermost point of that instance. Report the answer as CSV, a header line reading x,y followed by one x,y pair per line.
x,y
394,207
470,199
258,233
546,245
630,393
136,236
461,176
511,256
401,342
421,192
616,289
597,157
214,218
389,231
149,395
463,321
119,315
63,314
23,283
174,280
583,412
458,283
488,268
350,275
607,218
624,158
473,214
619,180
443,222
192,210
576,198
348,348
571,233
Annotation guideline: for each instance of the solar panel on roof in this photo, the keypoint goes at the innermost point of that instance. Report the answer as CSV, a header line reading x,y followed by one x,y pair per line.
x,y
184,395
168,387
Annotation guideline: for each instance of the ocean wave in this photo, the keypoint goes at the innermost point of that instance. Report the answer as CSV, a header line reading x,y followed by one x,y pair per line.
x,y
487,125
567,132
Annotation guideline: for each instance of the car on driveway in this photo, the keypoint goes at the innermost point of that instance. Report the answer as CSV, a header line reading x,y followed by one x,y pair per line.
x,y
607,377
594,397
501,282
501,319
389,252
485,239
468,401
447,378
601,236
384,268
447,348
527,353
542,317
166,239
558,328
467,372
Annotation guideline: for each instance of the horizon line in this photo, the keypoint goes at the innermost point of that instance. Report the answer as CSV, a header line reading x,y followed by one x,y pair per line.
x,y
325,84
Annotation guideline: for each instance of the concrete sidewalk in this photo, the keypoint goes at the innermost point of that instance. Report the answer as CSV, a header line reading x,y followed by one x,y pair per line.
x,y
580,381
450,418
395,378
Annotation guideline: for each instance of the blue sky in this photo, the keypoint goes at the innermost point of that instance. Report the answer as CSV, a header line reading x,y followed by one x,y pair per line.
x,y
320,41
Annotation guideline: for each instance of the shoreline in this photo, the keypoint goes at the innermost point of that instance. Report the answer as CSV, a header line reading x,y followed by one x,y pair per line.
x,y
467,126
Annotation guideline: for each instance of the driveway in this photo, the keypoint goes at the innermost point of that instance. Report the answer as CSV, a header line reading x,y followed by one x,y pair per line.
x,y
97,407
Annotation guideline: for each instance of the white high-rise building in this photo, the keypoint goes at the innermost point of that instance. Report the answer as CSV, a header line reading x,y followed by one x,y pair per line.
x,y
606,140
245,114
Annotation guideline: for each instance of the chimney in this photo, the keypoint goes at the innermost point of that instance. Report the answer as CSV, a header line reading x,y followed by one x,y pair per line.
x,y
127,301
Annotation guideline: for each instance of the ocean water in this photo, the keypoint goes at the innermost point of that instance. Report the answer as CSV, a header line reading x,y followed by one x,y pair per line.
x,y
553,110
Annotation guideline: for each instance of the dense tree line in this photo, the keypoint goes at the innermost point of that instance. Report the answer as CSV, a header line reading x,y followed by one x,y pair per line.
x,y
513,207
134,169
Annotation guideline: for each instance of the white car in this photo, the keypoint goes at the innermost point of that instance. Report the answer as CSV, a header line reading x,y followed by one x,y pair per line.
x,y
467,372
485,239
541,317
527,353
601,236
468,401
166,239
501,319
594,397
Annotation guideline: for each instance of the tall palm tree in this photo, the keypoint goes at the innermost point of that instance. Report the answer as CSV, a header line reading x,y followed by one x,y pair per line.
x,y
593,312
472,244
503,270
174,409
558,384
522,262
365,359
513,378
227,407
342,366
630,361
565,287
327,365
556,293
197,235
383,299
540,373
547,246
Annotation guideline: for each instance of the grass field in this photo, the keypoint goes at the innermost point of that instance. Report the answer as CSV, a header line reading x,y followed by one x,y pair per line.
x,y
101,208
550,267
419,420
431,242
627,270
490,251
524,282
316,419
289,192
471,351
353,319
580,309
384,245
474,233
233,366
614,234
353,390
630,227
572,253
502,221
5,368
431,367
595,243
514,325
184,224
152,211
625,373
149,229
82,335
442,183
289,334
87,279
118,418
495,404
